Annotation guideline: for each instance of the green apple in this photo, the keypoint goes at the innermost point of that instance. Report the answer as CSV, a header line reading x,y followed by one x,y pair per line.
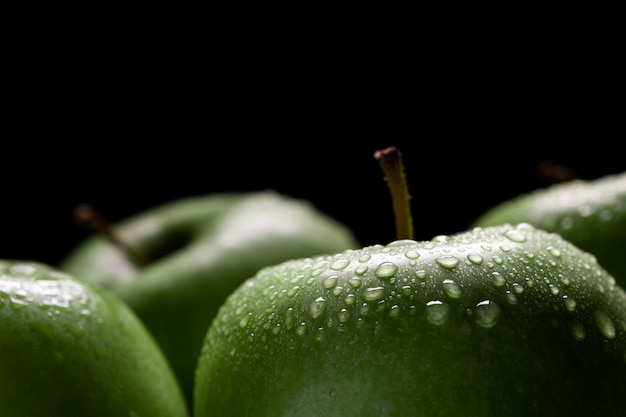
x,y
69,349
589,213
498,321
201,249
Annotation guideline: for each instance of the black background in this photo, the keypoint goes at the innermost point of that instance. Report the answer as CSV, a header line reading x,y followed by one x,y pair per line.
x,y
128,128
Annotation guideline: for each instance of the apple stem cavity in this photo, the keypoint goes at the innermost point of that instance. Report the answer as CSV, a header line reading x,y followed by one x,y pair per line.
x,y
87,216
390,160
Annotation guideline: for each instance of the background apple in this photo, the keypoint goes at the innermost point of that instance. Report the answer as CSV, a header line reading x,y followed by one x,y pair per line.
x,y
200,249
68,349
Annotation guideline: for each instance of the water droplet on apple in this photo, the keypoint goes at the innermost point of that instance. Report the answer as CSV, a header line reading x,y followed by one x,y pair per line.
x,y
604,323
578,330
437,312
330,282
343,315
554,251
374,294
497,279
350,299
340,264
386,270
447,261
487,314
515,236
361,269
317,307
570,303
475,258
412,254
451,288
354,282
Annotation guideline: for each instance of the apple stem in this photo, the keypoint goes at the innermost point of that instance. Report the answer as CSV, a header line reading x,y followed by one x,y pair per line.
x,y
390,160
87,216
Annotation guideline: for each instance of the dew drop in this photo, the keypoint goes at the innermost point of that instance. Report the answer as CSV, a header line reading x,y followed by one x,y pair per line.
x,y
244,321
337,290
354,282
289,318
515,236
350,299
554,251
301,329
293,291
447,261
407,290
421,274
605,324
437,312
498,260
340,264
361,269
412,254
386,270
511,298
343,315
577,329
365,258
330,282
498,279
487,314
394,311
451,288
317,307
570,303
475,258
374,294
517,288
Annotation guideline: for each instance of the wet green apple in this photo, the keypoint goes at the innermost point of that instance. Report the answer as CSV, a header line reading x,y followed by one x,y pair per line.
x,y
200,249
589,213
68,349
496,321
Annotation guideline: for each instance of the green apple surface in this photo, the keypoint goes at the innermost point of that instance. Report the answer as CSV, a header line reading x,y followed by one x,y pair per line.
x,y
589,213
500,321
68,349
202,248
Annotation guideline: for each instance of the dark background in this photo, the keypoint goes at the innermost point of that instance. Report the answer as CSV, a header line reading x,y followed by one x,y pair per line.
x,y
127,125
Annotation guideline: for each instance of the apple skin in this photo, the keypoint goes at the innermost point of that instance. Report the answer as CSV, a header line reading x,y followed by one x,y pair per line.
x,y
68,349
202,248
501,321
589,213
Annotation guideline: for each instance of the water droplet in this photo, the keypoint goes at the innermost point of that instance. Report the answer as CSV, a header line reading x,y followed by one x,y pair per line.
x,y
340,264
515,235
511,298
317,307
386,270
570,303
343,315
354,282
447,261
374,294
394,311
475,258
289,318
498,260
421,274
301,329
451,288
412,254
554,289
487,314
498,279
518,288
365,258
350,299
330,282
365,309
244,321
337,290
437,312
407,290
361,269
554,251
578,331
605,324
293,291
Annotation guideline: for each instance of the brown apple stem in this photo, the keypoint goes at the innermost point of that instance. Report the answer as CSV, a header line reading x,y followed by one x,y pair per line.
x,y
390,160
88,217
